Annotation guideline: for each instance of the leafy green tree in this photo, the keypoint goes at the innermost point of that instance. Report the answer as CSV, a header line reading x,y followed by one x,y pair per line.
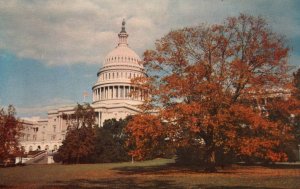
x,y
297,79
10,129
79,142
110,142
297,96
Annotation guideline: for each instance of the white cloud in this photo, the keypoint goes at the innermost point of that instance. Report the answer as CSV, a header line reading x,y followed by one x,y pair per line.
x,y
42,109
84,31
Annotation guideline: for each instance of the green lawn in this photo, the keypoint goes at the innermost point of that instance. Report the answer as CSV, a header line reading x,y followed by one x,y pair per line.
x,y
159,173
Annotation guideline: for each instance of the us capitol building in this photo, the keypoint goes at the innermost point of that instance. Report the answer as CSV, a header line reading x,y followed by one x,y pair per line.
x,y
111,99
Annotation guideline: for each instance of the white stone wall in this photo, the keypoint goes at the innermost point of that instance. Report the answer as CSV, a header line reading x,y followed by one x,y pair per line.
x,y
40,135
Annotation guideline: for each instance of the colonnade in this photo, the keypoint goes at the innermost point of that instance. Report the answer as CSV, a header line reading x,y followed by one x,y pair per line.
x,y
118,92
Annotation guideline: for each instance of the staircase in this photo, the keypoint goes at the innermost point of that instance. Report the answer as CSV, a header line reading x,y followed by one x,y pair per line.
x,y
38,158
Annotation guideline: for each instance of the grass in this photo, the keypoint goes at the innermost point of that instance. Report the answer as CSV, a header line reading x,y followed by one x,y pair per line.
x,y
159,173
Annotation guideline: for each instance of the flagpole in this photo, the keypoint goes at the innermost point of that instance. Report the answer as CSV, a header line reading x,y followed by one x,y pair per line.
x,y
85,94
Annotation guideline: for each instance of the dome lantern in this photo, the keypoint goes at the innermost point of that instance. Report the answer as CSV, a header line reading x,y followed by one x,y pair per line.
x,y
123,35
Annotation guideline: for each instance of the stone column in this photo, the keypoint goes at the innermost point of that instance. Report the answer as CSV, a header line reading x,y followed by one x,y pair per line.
x,y
117,92
100,93
99,119
123,92
96,94
106,92
126,91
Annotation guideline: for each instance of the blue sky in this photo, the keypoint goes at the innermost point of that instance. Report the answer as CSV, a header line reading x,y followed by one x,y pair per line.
x,y
50,51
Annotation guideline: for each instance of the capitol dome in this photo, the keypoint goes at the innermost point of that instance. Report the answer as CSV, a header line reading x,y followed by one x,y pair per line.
x,y
122,54
120,66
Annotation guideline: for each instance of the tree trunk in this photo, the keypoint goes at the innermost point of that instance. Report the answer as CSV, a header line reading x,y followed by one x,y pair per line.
x,y
77,159
211,162
210,166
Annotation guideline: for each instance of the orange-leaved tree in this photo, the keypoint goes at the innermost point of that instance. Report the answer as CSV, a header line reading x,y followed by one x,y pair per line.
x,y
206,85
10,131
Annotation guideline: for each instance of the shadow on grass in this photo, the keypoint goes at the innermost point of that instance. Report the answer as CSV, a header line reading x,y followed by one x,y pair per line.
x,y
167,169
273,165
283,166
129,183
124,183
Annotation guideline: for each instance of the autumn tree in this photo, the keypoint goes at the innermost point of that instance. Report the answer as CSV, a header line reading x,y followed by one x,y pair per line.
x,y
148,137
206,84
79,141
10,129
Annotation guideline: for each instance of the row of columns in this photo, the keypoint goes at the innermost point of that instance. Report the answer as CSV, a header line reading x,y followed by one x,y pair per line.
x,y
117,92
118,75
